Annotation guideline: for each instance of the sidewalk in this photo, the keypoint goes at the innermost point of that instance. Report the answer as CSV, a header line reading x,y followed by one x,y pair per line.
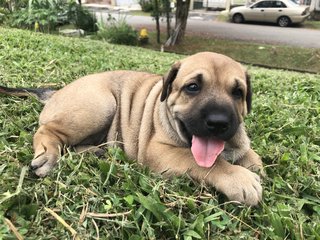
x,y
198,14
101,7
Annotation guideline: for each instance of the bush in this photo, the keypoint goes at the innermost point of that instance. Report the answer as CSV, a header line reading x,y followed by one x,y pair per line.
x,y
49,14
10,5
146,5
3,14
47,19
44,12
82,18
118,32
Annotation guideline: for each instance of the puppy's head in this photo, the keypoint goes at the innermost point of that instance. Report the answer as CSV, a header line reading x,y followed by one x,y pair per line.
x,y
208,95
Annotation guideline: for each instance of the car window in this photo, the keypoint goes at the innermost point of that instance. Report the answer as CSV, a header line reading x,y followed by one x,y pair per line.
x,y
278,4
263,4
292,4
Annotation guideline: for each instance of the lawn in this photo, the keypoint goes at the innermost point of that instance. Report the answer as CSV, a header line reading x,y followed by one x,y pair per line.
x,y
257,54
91,198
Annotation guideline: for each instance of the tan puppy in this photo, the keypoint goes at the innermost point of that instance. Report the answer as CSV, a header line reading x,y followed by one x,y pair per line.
x,y
189,122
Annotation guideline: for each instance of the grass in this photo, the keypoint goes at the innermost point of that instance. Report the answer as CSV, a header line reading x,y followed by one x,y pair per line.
x,y
312,24
140,13
273,56
91,198
259,54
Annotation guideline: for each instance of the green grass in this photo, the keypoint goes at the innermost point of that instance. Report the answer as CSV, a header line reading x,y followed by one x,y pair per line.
x,y
284,127
312,24
274,56
140,13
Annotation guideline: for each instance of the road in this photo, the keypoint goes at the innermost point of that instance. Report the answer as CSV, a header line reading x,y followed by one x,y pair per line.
x,y
206,24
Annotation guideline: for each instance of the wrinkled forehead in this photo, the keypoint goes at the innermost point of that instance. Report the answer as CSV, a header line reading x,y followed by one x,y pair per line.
x,y
211,65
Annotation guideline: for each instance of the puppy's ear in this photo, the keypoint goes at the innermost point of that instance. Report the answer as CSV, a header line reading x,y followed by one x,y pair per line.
x,y
249,93
168,79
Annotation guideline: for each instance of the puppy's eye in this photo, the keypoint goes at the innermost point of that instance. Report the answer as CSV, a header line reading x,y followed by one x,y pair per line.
x,y
237,93
192,88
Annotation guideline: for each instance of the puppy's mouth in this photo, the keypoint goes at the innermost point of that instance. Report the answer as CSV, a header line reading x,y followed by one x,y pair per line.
x,y
205,150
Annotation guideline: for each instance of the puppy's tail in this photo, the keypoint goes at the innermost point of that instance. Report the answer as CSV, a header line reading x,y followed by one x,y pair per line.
x,y
42,94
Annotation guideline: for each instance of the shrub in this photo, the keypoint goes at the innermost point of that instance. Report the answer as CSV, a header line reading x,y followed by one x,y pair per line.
x,y
44,12
11,5
82,18
118,32
3,14
47,19
146,5
52,13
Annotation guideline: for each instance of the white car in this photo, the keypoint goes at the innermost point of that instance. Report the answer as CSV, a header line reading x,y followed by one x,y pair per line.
x,y
282,12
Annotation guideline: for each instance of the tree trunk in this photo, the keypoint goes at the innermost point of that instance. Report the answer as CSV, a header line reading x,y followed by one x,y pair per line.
x,y
156,14
228,5
168,17
182,13
158,29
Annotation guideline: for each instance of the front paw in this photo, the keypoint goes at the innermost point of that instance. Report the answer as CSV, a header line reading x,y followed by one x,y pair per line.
x,y
241,185
252,161
44,163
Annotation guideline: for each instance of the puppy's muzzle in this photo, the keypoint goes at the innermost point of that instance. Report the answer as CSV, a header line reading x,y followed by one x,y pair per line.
x,y
221,124
217,123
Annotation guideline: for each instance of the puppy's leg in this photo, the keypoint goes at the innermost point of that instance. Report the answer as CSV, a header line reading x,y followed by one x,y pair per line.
x,y
84,119
236,182
252,161
47,143
99,152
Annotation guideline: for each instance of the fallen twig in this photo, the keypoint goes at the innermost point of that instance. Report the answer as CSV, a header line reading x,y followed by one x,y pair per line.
x,y
97,229
83,213
107,215
13,229
63,222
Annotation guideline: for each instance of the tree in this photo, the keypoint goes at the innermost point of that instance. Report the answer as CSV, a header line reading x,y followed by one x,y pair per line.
x,y
182,12
314,9
161,8
167,11
156,14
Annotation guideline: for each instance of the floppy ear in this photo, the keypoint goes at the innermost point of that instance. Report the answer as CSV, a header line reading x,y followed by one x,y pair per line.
x,y
249,93
168,79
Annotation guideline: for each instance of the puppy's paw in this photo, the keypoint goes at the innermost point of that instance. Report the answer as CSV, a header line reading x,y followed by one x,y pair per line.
x,y
241,185
253,162
99,152
44,163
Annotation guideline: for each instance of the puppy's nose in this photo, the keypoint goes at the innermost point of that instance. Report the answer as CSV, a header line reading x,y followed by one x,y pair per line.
x,y
217,123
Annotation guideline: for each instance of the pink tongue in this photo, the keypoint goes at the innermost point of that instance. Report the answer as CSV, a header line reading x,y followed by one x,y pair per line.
x,y
206,151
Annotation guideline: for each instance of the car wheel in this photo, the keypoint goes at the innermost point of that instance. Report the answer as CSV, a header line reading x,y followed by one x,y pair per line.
x,y
237,18
284,21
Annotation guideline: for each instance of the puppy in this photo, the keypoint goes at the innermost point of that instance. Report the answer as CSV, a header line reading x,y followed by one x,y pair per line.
x,y
188,122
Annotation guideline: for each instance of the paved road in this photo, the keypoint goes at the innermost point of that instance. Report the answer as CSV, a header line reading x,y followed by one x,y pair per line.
x,y
259,33
205,24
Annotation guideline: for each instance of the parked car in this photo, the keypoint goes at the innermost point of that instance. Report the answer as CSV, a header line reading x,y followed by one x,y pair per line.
x,y
282,12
